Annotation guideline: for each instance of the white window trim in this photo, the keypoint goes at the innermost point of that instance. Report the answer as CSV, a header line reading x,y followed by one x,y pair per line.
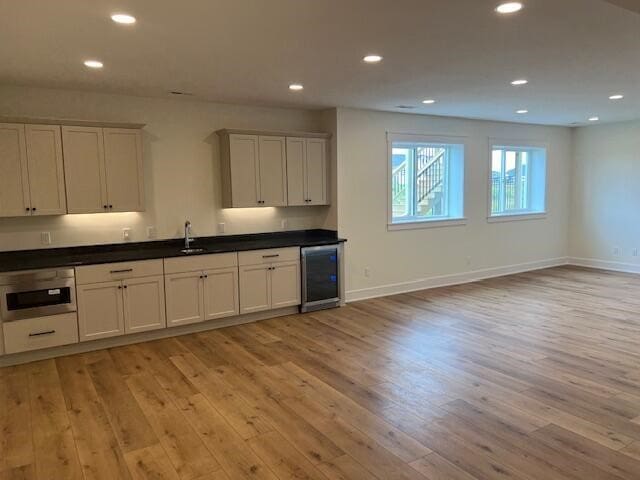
x,y
429,222
517,215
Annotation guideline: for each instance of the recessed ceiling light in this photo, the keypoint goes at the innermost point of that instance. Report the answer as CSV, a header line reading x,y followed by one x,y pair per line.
x,y
594,119
509,7
616,97
522,111
372,59
429,102
123,18
296,87
521,81
93,64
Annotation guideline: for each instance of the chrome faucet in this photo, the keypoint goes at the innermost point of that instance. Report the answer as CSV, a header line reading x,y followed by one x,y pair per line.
x,y
187,235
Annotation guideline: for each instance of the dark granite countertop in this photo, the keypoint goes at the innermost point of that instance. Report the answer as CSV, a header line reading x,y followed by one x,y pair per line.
x,y
122,252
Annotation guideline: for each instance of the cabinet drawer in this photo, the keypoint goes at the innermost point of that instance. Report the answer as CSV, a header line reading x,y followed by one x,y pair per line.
x,y
109,272
271,255
200,263
42,332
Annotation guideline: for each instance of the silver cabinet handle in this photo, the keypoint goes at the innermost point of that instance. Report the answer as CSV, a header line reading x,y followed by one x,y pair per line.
x,y
126,270
38,334
271,256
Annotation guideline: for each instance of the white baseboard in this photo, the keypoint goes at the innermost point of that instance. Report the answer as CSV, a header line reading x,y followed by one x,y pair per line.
x,y
605,264
452,279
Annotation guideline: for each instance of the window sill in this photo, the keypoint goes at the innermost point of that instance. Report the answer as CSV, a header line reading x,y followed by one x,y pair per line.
x,y
515,217
416,225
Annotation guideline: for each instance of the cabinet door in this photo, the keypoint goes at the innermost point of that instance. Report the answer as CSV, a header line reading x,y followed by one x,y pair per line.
x,y
144,304
255,288
124,169
185,298
84,172
316,171
243,158
100,310
285,284
14,180
46,171
273,172
296,171
221,293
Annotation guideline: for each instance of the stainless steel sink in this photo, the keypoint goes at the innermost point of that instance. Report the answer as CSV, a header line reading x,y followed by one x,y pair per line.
x,y
191,251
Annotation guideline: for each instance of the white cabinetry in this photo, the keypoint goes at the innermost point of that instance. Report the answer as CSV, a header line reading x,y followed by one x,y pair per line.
x,y
269,279
254,171
103,169
119,298
201,288
307,172
265,169
32,180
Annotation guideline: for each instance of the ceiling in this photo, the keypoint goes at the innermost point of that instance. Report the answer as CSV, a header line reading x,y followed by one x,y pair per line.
x,y
575,53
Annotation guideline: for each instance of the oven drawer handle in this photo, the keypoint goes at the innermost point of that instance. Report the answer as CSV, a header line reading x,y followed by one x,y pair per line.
x,y
49,332
126,270
271,256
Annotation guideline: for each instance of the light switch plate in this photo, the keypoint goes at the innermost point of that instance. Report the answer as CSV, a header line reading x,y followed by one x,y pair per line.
x,y
151,232
45,238
221,228
126,234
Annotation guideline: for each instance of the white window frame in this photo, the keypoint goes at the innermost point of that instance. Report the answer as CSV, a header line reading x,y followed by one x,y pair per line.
x,y
517,215
426,222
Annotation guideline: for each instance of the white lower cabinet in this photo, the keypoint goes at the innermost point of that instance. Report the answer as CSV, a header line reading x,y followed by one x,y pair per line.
x,y
130,297
221,293
255,288
207,291
144,304
185,298
269,279
109,309
100,310
285,285
42,332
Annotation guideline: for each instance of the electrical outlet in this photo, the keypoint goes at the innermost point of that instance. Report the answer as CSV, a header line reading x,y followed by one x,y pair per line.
x,y
45,238
634,252
284,224
221,228
367,272
126,234
468,260
616,251
151,232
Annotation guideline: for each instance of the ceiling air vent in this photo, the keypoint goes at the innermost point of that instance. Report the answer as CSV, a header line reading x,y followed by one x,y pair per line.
x,y
405,107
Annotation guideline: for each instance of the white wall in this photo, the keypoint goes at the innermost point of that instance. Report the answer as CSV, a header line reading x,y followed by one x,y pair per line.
x,y
181,167
605,210
412,259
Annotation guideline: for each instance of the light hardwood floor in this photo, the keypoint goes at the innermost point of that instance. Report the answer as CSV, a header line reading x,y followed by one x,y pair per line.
x,y
530,377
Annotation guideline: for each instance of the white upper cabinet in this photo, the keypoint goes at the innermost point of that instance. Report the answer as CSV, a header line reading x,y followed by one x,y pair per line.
x,y
46,170
103,169
124,171
307,174
273,171
32,180
84,169
269,170
316,180
242,170
14,181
